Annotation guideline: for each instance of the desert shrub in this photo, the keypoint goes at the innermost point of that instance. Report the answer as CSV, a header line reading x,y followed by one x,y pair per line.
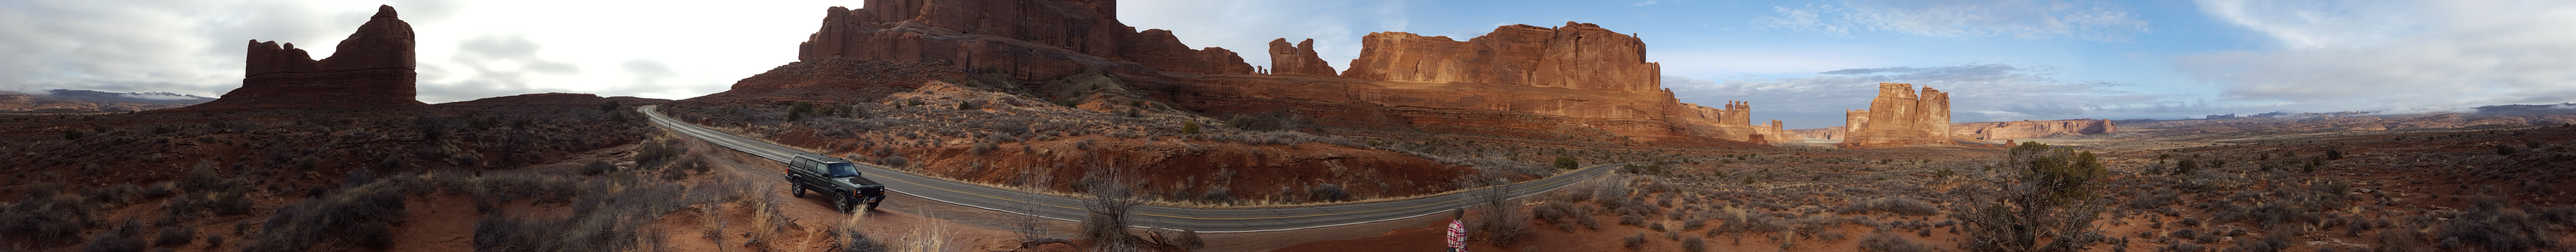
x,y
1884,242
1893,204
214,241
357,215
2493,227
1189,238
1565,162
896,161
45,217
113,242
1632,220
1634,242
597,167
180,235
1326,192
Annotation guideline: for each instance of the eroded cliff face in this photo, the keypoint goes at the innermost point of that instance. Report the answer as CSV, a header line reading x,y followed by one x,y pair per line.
x,y
1900,116
1028,38
370,69
1576,55
1297,59
1733,122
1577,81
2030,129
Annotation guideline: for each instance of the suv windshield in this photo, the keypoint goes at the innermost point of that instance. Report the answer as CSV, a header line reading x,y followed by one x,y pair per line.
x,y
841,170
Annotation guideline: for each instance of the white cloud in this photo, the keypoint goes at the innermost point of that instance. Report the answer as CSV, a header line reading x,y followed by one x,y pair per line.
x,y
1643,3
467,49
1978,92
2088,20
2378,56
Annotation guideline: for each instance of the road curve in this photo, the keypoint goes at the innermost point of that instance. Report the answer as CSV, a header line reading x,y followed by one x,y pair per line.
x,y
1202,220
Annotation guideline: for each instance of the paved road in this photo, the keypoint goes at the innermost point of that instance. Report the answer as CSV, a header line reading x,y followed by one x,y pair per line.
x,y
1203,220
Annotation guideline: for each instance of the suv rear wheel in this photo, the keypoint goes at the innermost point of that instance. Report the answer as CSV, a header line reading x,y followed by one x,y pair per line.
x,y
800,190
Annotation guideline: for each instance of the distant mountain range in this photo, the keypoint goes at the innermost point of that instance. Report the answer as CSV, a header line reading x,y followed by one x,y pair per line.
x,y
66,100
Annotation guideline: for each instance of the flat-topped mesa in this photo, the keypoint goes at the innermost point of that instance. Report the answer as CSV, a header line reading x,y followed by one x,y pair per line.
x,y
1900,116
372,68
1028,38
1578,55
1297,59
2030,129
1732,122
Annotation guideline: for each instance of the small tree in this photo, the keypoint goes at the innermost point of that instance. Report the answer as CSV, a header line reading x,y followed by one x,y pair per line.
x,y
611,105
2186,166
2336,154
797,111
1565,162
71,134
2044,194
1190,127
2504,149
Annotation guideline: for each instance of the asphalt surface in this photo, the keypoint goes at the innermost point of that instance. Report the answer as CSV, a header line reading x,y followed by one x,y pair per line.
x,y
1202,220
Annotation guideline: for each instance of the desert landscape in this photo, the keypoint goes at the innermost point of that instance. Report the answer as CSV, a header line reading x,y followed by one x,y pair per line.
x,y
1051,125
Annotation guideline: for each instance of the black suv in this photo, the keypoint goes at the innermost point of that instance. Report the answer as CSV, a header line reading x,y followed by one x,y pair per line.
x,y
834,177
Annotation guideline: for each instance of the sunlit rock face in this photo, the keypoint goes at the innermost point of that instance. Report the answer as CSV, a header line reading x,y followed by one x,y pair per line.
x,y
1900,116
1575,81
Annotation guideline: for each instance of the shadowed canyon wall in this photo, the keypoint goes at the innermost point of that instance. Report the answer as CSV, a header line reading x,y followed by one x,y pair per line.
x,y
370,69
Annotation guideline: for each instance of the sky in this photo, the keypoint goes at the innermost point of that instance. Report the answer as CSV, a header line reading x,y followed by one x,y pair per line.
x,y
1802,62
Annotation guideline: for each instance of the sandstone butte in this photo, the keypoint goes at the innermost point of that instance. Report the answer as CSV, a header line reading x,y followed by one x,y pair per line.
x,y
370,69
1520,80
1899,117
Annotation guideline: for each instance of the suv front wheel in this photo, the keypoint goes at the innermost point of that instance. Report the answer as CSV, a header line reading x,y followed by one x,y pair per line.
x,y
800,190
841,204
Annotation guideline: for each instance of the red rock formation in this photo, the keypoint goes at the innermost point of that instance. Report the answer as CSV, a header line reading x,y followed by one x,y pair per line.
x,y
1028,38
370,69
1900,117
1774,133
1576,55
1734,122
2029,129
1160,50
1297,59
1520,80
